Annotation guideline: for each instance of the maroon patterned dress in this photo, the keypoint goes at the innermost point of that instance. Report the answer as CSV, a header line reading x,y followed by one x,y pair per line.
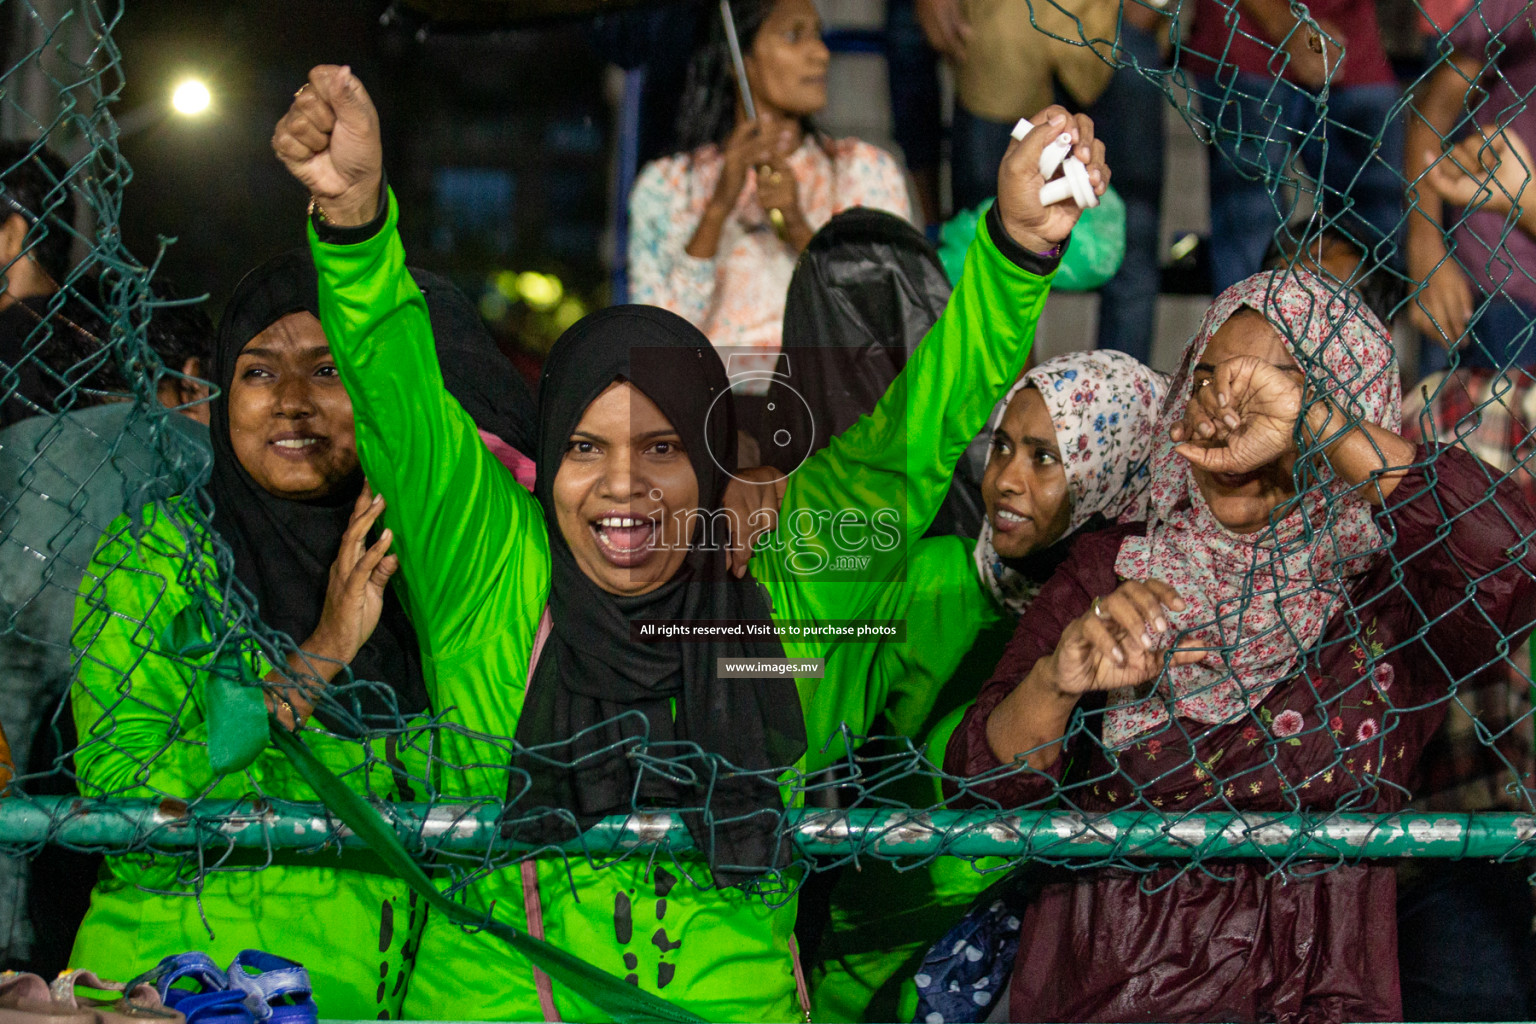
x,y
1234,939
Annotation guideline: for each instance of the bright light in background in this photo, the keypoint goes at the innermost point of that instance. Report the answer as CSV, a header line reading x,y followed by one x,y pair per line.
x,y
568,312
552,309
505,282
191,98
541,291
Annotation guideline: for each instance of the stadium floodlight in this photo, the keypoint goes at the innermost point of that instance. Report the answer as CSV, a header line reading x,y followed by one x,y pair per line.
x,y
191,97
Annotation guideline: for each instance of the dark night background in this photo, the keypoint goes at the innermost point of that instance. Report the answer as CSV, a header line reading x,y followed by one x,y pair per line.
x,y
498,142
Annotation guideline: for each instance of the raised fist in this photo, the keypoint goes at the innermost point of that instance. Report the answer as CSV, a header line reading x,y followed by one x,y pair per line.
x,y
329,140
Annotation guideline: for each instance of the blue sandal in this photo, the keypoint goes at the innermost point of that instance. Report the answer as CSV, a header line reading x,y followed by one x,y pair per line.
x,y
212,1002
277,990
220,1007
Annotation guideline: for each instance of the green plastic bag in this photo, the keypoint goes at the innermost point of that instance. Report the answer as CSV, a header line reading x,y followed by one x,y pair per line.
x,y
237,709
1095,255
237,724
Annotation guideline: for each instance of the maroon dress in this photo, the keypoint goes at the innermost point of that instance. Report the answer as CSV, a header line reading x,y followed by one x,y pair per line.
x,y
1232,939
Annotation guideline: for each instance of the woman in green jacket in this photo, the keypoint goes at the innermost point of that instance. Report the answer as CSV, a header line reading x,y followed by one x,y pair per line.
x,y
626,446
291,505
1068,454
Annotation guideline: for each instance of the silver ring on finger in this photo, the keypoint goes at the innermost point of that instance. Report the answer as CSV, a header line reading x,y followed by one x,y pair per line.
x,y
1098,611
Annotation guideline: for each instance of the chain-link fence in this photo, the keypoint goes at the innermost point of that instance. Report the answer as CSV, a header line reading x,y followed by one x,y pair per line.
x,y
133,659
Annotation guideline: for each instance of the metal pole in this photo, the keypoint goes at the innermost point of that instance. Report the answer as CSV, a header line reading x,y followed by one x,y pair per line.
x,y
148,824
740,65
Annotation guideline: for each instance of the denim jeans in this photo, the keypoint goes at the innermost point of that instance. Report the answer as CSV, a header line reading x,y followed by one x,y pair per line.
x,y
1129,118
913,69
1259,124
1501,335
976,147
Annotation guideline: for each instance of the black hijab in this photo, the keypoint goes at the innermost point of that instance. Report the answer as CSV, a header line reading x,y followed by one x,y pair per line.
x,y
283,549
726,740
865,292
475,372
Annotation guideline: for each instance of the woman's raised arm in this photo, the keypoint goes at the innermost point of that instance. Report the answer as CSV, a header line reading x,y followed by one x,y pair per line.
x,y
862,501
463,526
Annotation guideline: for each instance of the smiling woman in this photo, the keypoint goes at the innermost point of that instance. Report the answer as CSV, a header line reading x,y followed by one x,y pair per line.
x,y
716,228
625,492
291,504
1069,454
290,420
288,492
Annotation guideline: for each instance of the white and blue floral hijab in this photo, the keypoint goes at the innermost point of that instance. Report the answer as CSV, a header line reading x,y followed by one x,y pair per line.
x,y
1104,406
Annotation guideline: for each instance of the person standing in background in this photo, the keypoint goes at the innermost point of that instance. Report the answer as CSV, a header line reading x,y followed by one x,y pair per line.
x,y
37,214
109,454
715,229
1011,57
1464,927
1259,123
1131,110
36,210
917,122
1478,270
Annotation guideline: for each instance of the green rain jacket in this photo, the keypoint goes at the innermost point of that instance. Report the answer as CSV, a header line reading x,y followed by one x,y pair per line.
x,y
140,710
474,554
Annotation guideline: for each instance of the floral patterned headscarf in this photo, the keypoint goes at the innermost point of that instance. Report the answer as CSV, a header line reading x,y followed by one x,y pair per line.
x,y
1104,408
1259,601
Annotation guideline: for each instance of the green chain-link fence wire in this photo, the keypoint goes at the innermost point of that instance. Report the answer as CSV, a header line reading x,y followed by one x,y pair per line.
x,y
66,483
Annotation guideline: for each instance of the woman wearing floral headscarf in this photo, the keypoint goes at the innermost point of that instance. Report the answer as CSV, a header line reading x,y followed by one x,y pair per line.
x,y
1322,584
1069,452
1069,449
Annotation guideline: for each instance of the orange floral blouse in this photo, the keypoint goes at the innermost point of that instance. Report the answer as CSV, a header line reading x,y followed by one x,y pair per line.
x,y
737,298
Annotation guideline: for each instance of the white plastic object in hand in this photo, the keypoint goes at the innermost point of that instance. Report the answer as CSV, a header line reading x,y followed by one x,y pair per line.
x,y
1073,184
1052,155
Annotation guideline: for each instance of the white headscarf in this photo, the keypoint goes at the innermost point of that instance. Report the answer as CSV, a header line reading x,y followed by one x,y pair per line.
x,y
1104,408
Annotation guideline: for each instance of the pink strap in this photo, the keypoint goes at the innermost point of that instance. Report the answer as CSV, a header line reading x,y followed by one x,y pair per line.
x,y
546,624
533,906
520,465
535,911
803,992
